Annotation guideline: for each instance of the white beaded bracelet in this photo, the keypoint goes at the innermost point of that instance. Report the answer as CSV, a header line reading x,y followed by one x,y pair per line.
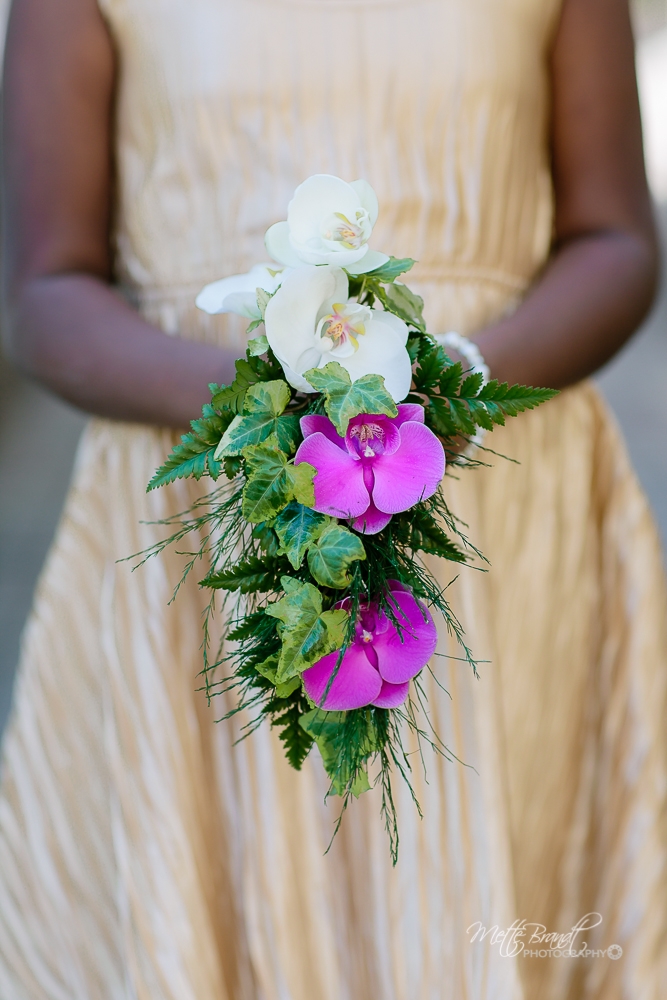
x,y
471,352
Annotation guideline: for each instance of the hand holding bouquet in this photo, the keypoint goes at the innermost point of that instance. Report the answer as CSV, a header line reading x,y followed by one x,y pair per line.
x,y
328,450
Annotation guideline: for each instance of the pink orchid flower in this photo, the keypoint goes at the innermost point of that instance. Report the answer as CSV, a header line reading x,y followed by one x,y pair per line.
x,y
380,662
382,466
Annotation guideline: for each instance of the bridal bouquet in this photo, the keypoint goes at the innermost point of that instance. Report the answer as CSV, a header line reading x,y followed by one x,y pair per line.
x,y
328,450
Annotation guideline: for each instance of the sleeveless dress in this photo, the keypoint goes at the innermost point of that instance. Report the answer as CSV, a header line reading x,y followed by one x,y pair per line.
x,y
143,855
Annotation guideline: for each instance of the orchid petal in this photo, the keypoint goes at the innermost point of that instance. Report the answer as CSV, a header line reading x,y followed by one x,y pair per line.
x,y
369,262
401,656
356,683
314,423
372,520
409,411
395,322
238,293
340,258
319,197
367,197
413,473
339,480
380,353
295,380
278,246
291,315
392,695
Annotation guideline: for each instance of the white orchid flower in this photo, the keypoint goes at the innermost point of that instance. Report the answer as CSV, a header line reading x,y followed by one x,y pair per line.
x,y
238,293
328,222
310,321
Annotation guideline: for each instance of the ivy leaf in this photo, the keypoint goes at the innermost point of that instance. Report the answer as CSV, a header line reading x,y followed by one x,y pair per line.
x,y
269,668
273,482
247,577
195,455
330,557
297,527
263,299
307,632
346,399
392,268
399,300
258,345
266,537
264,403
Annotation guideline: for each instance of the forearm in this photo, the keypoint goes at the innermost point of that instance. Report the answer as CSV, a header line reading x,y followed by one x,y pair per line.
x,y
75,335
592,296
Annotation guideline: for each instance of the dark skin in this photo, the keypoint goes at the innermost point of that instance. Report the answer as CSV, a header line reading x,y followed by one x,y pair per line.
x,y
66,327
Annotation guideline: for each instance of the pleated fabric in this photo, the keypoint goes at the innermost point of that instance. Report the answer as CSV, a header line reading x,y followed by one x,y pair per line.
x,y
145,854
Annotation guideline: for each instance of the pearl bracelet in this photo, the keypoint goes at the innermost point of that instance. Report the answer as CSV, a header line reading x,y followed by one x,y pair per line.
x,y
472,354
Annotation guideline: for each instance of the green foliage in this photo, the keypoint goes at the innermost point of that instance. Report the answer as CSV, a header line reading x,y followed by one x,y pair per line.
x,y
262,417
331,732
394,267
232,466
253,628
297,527
345,399
273,482
296,741
307,632
194,456
331,547
457,404
232,396
269,669
434,365
249,371
258,345
419,530
264,534
399,300
248,576
332,554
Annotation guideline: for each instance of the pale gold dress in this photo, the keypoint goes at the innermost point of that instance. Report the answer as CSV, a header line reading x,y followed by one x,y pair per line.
x,y
142,855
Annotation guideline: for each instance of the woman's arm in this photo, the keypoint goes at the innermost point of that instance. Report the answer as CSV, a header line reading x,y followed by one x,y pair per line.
x,y
601,278
63,324
67,328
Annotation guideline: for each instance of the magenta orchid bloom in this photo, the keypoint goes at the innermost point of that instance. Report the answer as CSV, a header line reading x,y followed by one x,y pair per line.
x,y
380,662
382,466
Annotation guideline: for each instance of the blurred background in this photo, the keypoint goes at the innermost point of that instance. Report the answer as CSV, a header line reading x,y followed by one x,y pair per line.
x,y
39,434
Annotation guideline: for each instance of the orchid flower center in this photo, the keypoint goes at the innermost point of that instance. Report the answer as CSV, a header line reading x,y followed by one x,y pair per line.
x,y
349,234
339,331
368,439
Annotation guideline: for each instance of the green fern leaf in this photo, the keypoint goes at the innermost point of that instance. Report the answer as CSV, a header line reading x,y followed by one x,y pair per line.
x,y
194,456
247,577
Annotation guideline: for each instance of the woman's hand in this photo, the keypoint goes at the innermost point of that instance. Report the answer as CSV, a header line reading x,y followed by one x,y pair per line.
x,y
63,324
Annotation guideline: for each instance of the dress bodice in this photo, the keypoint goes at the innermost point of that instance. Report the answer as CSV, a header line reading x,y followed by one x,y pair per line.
x,y
226,105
